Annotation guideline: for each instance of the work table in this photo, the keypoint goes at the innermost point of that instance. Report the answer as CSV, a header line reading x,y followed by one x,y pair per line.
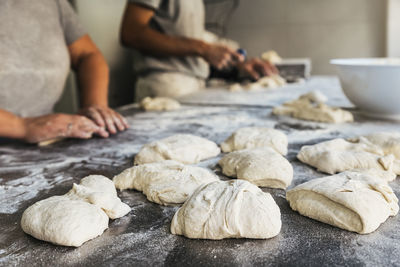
x,y
29,174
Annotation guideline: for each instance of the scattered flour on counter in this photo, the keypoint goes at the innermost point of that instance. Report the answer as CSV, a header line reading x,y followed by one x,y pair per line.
x,y
23,189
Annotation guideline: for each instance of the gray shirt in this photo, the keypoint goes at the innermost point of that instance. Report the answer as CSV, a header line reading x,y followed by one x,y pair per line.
x,y
34,58
180,18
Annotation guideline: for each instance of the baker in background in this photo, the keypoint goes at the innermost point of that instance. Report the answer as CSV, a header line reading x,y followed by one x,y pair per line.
x,y
171,56
39,42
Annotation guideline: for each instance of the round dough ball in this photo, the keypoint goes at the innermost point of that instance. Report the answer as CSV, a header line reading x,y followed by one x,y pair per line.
x,y
63,221
256,137
262,166
184,148
228,209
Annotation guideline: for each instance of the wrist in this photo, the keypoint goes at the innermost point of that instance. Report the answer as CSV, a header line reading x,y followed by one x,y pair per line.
x,y
201,48
21,126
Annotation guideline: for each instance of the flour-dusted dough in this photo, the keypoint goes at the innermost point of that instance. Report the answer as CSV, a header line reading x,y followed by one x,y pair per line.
x,y
63,221
256,137
387,141
228,209
185,148
261,166
339,155
350,200
100,191
159,104
167,182
310,107
76,217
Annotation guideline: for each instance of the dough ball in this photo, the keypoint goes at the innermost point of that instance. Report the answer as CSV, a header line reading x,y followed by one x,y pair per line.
x,y
167,182
76,217
185,148
159,104
100,191
262,166
311,107
228,209
236,87
63,221
352,201
256,137
339,155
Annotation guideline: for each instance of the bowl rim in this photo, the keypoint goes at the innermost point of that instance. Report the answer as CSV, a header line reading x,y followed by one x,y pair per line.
x,y
368,62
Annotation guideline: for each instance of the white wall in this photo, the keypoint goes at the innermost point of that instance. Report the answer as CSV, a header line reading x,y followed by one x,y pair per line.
x,y
393,29
102,19
319,29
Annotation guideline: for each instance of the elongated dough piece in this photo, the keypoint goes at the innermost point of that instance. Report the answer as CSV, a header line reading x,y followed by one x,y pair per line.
x,y
166,183
159,104
184,148
76,217
339,155
256,137
309,107
353,201
262,166
228,209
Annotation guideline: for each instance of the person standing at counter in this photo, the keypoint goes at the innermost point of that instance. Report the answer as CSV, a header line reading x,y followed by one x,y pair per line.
x,y
170,57
39,42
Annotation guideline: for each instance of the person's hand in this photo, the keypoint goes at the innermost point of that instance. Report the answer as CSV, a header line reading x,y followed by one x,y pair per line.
x,y
256,68
106,118
221,56
52,126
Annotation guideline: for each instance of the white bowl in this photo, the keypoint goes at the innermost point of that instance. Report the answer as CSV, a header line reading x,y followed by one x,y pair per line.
x,y
372,84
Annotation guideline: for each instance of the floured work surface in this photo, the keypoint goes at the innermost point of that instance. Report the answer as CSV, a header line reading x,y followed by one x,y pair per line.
x,y
29,174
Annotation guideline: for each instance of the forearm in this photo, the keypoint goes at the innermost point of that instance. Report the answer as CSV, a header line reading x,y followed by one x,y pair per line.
x,y
12,126
158,44
93,78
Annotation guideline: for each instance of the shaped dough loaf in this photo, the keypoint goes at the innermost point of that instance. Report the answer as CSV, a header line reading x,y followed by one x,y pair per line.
x,y
256,137
350,200
310,107
263,167
228,209
167,182
388,142
159,104
339,155
185,148
76,217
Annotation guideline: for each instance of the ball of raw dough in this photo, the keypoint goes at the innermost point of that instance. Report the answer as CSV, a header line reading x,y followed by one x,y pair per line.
x,y
184,148
63,221
228,209
262,166
256,137
166,183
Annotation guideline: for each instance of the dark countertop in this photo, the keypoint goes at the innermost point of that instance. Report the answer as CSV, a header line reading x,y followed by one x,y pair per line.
x,y
29,174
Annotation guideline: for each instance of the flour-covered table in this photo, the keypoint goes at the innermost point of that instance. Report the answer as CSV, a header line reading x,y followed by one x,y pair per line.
x,y
142,238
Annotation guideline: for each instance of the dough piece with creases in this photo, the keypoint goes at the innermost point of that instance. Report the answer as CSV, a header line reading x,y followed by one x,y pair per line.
x,y
228,209
76,217
184,148
311,107
261,166
159,104
256,137
166,183
389,142
352,201
339,155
